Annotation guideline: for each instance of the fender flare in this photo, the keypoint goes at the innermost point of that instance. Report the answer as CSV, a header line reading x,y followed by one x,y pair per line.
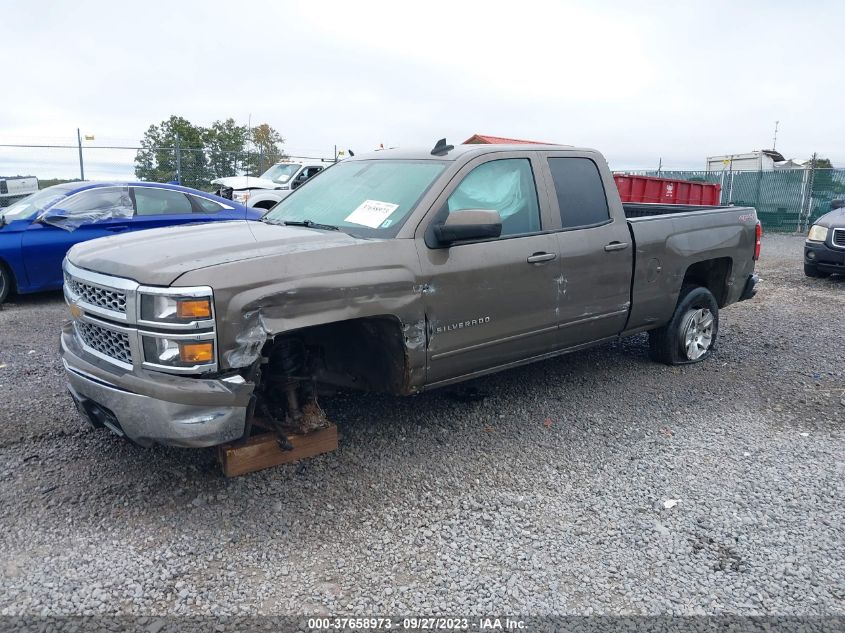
x,y
265,195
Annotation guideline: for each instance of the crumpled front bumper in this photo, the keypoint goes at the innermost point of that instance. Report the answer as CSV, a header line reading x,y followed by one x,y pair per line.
x,y
151,408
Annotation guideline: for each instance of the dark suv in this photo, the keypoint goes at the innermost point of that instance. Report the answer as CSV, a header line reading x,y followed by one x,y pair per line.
x,y
824,250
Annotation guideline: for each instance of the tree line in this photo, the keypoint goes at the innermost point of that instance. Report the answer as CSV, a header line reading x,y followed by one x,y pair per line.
x,y
176,149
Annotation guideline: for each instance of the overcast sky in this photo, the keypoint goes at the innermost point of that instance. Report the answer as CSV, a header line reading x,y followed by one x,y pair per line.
x,y
636,80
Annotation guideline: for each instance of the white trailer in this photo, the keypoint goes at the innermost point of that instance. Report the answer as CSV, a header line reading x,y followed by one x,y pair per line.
x,y
13,188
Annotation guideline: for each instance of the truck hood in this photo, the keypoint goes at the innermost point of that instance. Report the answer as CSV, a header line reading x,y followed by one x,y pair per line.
x,y
158,257
832,219
245,182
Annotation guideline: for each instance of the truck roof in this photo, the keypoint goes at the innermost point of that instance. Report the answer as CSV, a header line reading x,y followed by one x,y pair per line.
x,y
419,153
303,159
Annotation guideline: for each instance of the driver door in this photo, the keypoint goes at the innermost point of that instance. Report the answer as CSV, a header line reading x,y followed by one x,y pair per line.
x,y
89,214
491,302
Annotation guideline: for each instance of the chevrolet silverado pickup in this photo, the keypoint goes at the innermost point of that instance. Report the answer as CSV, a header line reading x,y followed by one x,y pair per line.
x,y
396,272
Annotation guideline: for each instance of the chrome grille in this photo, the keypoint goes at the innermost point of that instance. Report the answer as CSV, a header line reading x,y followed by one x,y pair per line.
x,y
105,341
839,238
113,300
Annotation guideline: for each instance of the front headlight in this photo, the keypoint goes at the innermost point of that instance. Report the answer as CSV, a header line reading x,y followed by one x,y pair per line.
x,y
178,352
177,328
175,309
817,233
240,196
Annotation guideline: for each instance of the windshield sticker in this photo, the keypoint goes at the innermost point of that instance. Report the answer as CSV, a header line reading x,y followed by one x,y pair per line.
x,y
371,213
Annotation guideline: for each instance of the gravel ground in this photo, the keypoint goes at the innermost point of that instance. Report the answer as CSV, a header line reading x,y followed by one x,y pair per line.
x,y
594,483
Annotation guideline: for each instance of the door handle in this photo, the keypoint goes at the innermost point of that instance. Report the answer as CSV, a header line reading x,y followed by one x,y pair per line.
x,y
616,246
116,228
539,258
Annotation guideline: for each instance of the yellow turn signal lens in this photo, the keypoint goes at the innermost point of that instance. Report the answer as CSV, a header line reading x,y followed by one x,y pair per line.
x,y
196,352
193,309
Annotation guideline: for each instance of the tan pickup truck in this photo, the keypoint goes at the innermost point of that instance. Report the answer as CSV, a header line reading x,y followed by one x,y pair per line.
x,y
395,272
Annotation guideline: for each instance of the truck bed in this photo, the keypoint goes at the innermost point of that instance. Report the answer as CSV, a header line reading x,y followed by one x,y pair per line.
x,y
646,209
670,239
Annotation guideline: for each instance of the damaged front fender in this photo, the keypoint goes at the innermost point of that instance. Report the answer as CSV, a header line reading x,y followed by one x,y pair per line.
x,y
263,299
249,341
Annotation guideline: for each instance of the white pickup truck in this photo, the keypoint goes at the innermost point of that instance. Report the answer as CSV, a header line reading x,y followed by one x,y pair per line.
x,y
14,188
274,184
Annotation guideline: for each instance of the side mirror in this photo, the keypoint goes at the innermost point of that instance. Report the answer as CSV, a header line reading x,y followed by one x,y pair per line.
x,y
468,224
837,204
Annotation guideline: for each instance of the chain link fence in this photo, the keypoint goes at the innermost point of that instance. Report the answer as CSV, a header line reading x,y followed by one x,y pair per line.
x,y
787,200
187,166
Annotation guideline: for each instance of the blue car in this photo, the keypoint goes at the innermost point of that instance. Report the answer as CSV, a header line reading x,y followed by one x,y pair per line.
x,y
36,232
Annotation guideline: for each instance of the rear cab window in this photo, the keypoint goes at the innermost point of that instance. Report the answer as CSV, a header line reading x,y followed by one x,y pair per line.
x,y
580,192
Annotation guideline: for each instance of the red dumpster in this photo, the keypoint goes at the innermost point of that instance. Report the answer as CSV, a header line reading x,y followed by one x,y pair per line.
x,y
666,190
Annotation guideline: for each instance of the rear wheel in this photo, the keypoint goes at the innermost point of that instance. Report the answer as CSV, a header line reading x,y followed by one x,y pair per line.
x,y
690,336
5,283
811,271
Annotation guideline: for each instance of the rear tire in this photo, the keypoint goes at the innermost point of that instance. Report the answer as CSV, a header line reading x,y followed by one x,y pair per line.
x,y
811,271
5,283
690,336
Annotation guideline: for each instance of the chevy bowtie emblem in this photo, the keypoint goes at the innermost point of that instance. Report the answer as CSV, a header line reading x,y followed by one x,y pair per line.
x,y
75,310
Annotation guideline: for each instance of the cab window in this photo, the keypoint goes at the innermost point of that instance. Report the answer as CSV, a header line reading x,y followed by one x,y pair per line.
x,y
99,203
580,192
206,205
506,186
305,175
153,201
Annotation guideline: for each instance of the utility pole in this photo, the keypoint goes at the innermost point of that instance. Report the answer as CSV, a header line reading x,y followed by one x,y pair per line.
x,y
775,138
178,161
660,166
81,167
811,180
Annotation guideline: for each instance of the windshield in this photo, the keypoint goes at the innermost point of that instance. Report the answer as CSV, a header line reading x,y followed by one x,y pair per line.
x,y
32,204
282,172
369,197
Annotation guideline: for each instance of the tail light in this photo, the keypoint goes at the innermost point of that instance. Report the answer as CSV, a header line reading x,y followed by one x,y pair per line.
x,y
758,235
